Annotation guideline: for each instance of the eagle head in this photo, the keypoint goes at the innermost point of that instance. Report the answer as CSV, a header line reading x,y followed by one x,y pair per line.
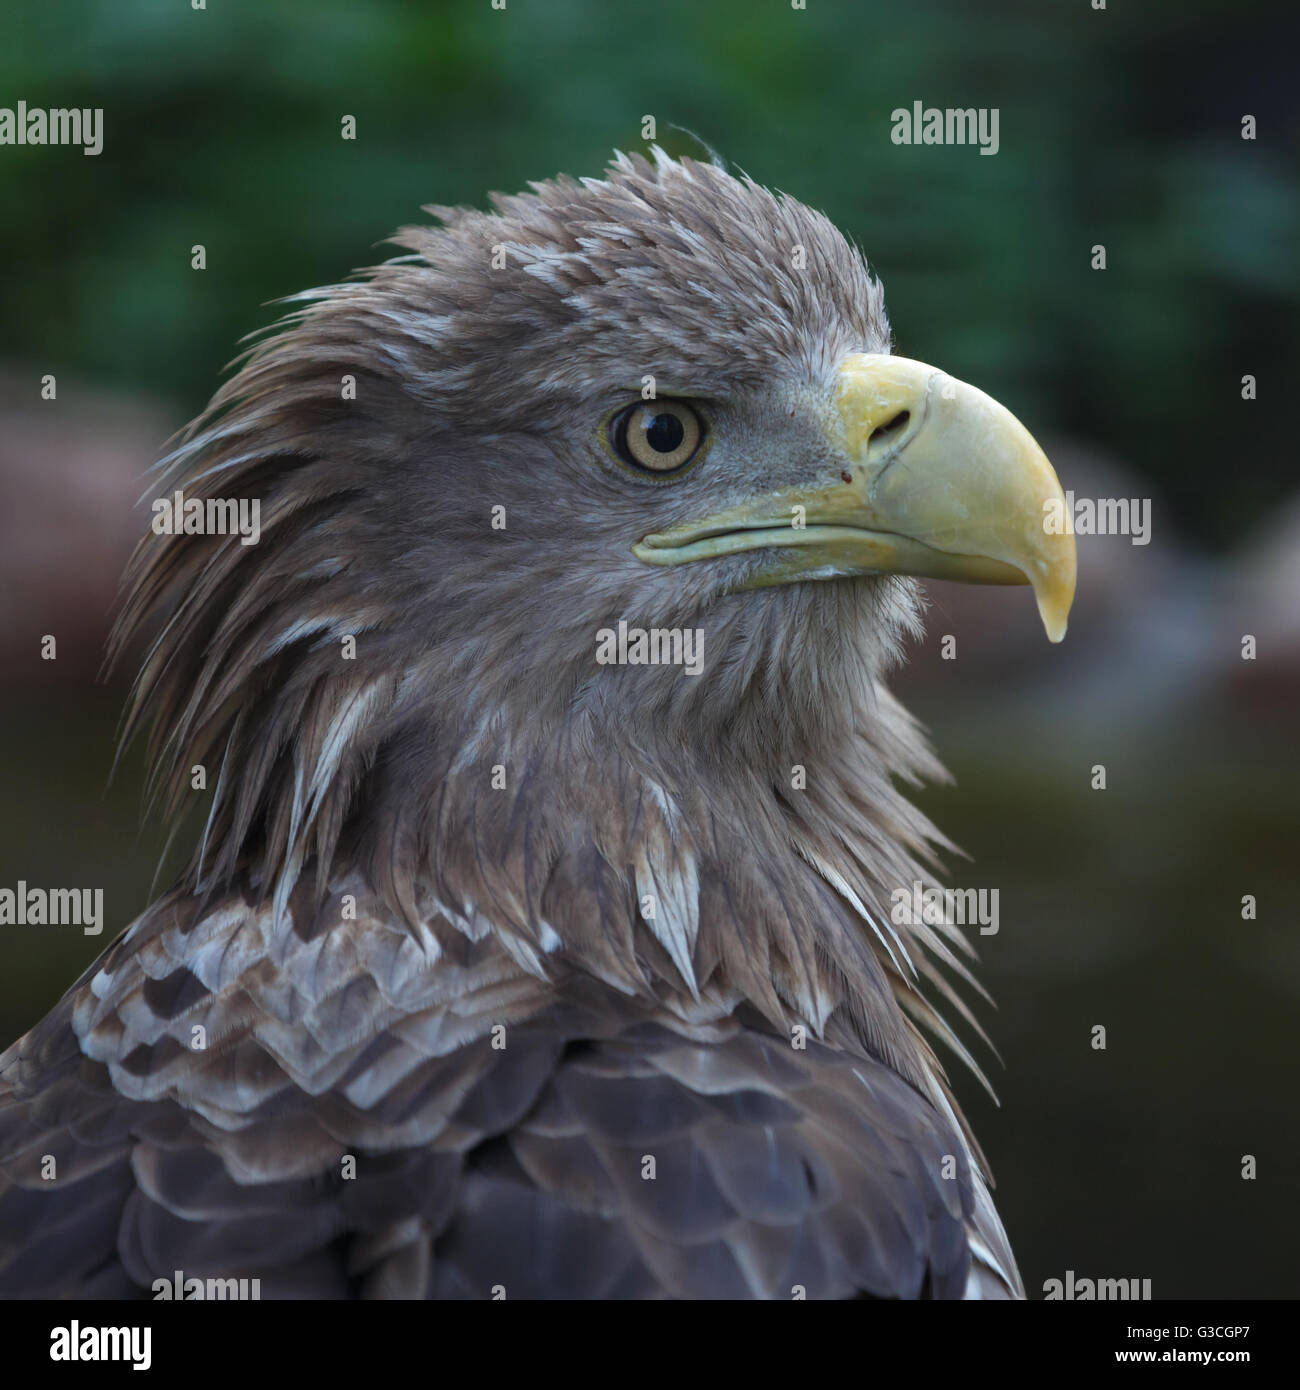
x,y
589,529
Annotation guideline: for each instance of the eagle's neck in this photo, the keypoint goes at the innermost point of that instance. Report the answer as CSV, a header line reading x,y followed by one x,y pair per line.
x,y
697,880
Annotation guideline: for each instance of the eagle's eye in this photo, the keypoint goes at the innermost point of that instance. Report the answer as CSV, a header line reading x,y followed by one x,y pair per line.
x,y
656,436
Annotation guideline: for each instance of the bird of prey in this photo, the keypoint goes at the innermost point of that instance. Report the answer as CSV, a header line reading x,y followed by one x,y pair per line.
x,y
541,937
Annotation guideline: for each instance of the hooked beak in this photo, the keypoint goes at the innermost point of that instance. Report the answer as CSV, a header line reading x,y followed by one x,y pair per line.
x,y
932,478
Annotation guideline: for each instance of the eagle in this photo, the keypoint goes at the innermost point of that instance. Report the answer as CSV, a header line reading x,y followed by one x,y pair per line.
x,y
542,938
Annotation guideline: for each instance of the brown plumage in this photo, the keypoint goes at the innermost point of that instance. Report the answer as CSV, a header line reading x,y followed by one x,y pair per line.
x,y
488,921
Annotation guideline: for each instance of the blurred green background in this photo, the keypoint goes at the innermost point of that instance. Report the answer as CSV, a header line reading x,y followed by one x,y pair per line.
x,y
1120,127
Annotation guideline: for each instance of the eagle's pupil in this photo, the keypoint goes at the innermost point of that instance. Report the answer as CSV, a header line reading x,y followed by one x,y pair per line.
x,y
664,433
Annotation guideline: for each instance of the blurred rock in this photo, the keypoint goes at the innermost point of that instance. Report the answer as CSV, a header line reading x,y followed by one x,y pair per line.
x,y
71,471
1264,602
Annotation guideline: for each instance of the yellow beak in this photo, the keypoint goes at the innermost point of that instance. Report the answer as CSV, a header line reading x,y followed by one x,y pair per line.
x,y
931,477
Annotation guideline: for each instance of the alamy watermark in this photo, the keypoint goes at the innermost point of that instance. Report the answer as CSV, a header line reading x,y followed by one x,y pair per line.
x,y
953,125
656,646
1096,1290
1099,516
35,125
72,1342
179,1288
179,515
932,907
53,907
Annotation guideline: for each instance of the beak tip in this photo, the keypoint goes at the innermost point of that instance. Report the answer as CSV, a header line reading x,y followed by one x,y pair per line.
x,y
1054,611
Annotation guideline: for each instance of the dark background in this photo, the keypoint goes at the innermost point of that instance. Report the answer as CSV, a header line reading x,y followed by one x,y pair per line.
x,y
1122,127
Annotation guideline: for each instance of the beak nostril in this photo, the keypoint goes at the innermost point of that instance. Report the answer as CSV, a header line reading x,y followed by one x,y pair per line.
x,y
890,428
